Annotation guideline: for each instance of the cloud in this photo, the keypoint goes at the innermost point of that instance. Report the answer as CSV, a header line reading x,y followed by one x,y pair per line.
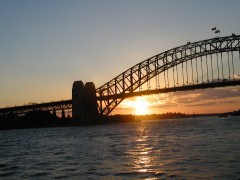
x,y
162,101
202,104
237,76
163,105
188,97
196,98
212,102
206,97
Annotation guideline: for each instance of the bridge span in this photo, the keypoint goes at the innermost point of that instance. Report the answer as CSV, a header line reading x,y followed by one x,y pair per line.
x,y
199,65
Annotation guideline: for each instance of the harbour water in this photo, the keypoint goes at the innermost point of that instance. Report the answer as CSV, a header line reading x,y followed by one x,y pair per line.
x,y
200,148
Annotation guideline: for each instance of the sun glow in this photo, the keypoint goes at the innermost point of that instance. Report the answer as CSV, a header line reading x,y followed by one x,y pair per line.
x,y
140,106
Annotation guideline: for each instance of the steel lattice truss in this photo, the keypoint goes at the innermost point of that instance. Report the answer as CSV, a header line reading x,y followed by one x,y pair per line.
x,y
127,83
51,106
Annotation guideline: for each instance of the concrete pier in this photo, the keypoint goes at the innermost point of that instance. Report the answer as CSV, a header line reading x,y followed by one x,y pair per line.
x,y
84,102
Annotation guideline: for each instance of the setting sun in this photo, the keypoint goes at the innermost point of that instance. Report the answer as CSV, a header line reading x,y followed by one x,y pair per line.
x,y
140,106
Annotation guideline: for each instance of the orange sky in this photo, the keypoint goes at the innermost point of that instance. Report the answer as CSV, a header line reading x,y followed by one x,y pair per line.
x,y
215,100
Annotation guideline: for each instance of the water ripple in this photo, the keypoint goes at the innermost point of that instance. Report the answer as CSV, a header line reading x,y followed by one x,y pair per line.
x,y
206,148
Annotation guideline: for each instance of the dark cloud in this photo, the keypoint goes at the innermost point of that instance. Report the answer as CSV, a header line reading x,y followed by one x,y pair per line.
x,y
207,97
201,96
237,76
186,99
167,105
213,102
229,102
202,104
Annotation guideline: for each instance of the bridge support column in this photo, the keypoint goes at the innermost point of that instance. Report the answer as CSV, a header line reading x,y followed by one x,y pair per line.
x,y
84,101
63,114
77,100
54,112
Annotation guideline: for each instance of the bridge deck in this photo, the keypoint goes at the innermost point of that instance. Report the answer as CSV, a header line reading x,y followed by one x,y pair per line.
x,y
67,104
172,89
50,106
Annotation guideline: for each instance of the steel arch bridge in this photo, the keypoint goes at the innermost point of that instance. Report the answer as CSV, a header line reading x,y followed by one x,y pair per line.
x,y
204,64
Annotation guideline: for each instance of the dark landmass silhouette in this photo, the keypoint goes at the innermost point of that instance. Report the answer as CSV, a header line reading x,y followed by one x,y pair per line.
x,y
34,119
40,119
234,113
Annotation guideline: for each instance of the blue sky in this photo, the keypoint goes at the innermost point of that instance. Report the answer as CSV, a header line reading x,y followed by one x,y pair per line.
x,y
48,44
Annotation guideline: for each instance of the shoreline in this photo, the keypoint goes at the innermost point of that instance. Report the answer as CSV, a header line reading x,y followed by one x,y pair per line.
x,y
47,120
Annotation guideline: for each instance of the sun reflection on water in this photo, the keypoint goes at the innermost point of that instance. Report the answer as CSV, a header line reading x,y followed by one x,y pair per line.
x,y
141,153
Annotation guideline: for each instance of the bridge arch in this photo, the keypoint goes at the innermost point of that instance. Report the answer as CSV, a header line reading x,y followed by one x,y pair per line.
x,y
177,59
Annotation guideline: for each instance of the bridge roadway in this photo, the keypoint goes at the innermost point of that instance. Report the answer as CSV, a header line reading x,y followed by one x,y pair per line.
x,y
171,89
67,104
50,106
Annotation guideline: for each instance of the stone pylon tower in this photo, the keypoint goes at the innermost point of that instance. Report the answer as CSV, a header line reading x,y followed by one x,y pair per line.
x,y
77,99
84,101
